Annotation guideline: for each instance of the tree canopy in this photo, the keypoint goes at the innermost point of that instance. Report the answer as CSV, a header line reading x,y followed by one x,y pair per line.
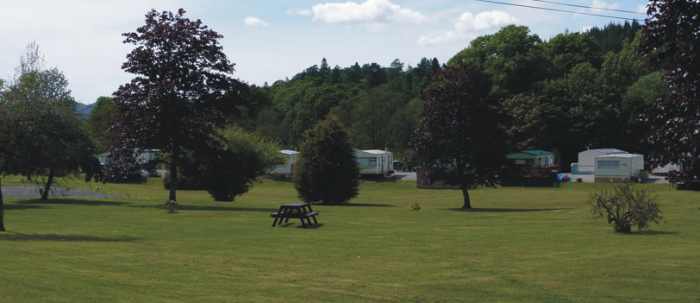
x,y
182,89
459,135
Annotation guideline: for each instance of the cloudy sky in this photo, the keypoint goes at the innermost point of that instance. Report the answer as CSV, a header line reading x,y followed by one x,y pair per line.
x,y
273,39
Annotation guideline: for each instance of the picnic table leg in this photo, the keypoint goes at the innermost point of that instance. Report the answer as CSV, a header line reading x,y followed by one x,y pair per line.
x,y
279,217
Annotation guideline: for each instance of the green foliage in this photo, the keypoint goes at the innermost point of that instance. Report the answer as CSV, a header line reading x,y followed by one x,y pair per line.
x,y
379,105
625,206
671,39
611,37
100,123
460,133
326,169
243,159
199,96
230,167
512,57
44,137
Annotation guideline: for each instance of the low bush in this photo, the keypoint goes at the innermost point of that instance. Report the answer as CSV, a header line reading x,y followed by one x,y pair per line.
x,y
625,206
229,166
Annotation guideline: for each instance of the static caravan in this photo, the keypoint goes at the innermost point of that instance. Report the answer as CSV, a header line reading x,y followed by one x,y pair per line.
x,y
618,167
286,169
586,160
374,162
535,158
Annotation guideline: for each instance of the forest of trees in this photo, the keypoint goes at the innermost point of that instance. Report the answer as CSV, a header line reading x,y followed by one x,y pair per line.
x,y
574,91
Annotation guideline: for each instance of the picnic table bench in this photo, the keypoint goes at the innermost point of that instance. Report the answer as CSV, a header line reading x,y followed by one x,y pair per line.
x,y
301,211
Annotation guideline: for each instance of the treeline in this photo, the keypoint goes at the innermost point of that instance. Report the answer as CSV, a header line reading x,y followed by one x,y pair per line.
x,y
574,91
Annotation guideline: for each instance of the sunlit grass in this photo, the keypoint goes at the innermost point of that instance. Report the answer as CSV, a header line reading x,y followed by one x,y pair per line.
x,y
521,245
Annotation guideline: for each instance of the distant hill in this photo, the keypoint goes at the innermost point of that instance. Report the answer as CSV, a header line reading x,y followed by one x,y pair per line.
x,y
84,110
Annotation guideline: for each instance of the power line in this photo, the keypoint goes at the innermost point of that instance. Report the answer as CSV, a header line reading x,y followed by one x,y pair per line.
x,y
561,10
590,7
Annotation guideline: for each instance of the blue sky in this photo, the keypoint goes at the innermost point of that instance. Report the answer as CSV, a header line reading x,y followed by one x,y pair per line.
x,y
274,39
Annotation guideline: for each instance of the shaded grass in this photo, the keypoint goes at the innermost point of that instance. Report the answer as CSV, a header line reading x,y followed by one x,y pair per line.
x,y
63,238
519,245
71,202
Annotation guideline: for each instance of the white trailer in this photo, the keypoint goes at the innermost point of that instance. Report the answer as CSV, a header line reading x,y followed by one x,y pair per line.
x,y
586,160
618,167
374,162
286,169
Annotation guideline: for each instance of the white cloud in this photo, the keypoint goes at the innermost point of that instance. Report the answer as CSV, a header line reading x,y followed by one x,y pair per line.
x,y
600,5
370,11
255,22
469,25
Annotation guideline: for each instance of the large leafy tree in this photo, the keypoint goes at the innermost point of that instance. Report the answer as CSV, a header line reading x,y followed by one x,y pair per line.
x,y
512,57
48,139
672,40
326,170
459,136
182,90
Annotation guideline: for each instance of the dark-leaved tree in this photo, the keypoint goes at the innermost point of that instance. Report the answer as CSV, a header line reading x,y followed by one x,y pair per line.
x,y
671,37
459,136
182,90
326,169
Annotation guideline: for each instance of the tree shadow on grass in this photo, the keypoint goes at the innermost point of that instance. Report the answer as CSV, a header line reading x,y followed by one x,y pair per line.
x,y
63,238
181,207
357,205
73,202
651,233
22,206
299,225
505,210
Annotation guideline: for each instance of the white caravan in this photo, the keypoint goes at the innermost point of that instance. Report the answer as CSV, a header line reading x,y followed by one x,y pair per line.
x,y
374,162
618,167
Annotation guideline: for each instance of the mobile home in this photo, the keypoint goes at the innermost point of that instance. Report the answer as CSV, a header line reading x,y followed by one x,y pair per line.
x,y
374,162
618,167
535,158
586,160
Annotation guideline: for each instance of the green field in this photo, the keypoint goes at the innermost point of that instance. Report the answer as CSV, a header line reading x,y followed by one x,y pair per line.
x,y
521,245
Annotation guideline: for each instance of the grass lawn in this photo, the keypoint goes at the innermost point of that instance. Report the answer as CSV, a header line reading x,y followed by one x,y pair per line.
x,y
523,245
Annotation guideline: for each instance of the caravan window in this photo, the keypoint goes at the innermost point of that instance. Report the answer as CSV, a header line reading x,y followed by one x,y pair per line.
x,y
366,163
608,164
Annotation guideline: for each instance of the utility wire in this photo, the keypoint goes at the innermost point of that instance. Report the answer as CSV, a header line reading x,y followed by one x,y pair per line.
x,y
590,7
561,10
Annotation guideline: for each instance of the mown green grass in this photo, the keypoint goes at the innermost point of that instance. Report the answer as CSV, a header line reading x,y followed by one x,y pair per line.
x,y
524,245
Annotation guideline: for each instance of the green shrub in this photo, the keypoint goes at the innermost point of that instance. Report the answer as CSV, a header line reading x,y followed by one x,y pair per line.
x,y
326,169
625,206
229,166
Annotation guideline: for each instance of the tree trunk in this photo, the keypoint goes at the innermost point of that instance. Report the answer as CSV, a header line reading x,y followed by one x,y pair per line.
x,y
47,187
2,209
467,199
173,177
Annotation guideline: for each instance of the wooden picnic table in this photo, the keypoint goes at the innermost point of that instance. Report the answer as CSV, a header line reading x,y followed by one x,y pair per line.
x,y
301,211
